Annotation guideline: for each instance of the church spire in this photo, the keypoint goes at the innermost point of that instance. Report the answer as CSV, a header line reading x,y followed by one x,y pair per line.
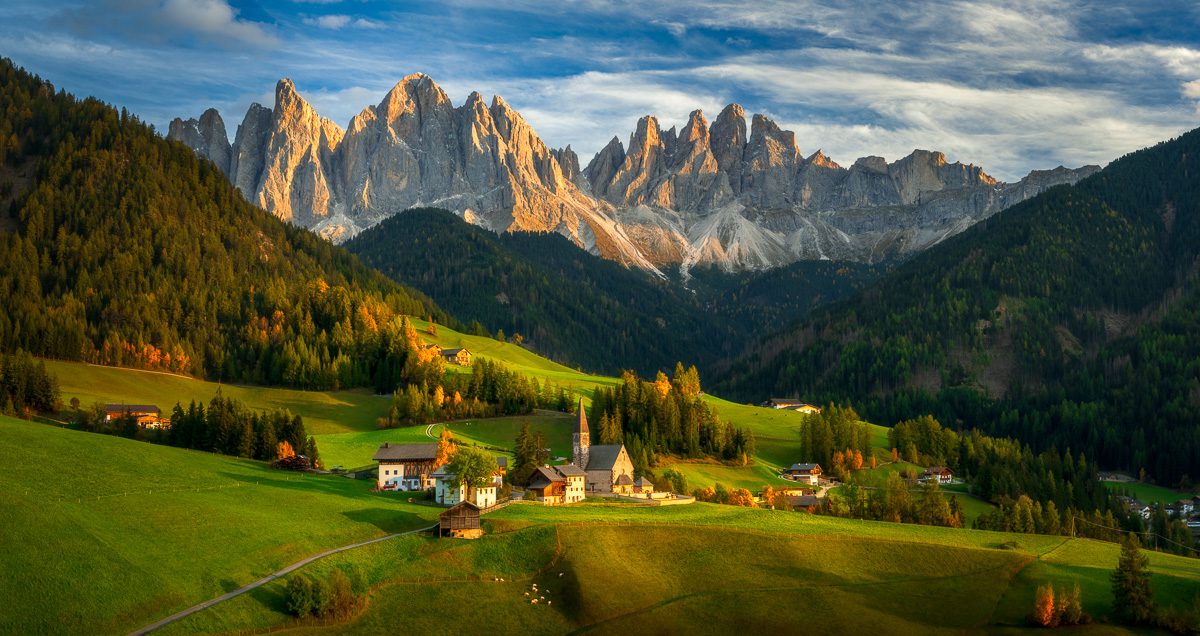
x,y
581,426
581,440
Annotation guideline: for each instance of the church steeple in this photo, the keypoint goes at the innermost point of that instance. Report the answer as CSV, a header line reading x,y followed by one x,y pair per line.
x,y
581,439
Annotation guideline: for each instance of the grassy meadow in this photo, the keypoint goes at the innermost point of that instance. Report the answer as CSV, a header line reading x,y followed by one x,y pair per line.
x,y
104,534
707,569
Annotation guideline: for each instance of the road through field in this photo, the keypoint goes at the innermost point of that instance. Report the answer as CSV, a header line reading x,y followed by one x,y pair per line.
x,y
267,579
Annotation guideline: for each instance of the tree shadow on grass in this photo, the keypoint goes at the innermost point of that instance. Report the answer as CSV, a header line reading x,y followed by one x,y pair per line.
x,y
387,519
273,597
296,480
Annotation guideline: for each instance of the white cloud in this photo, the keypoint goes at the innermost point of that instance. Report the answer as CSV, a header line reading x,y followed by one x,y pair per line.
x,y
328,21
161,21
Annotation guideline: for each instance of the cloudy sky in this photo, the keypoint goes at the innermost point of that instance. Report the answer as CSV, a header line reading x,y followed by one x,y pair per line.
x,y
1011,85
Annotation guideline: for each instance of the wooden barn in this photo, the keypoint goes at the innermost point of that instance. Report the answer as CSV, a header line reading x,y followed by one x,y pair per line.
x,y
460,522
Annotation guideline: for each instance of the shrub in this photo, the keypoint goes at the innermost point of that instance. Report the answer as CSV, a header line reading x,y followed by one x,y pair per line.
x,y
300,595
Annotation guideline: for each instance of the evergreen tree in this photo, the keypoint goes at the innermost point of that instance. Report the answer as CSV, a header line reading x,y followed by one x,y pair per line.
x,y
1133,600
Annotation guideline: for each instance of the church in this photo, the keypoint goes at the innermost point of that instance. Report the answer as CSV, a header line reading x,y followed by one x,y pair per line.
x,y
607,466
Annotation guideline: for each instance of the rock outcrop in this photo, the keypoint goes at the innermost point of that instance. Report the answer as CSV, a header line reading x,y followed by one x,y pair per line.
x,y
702,195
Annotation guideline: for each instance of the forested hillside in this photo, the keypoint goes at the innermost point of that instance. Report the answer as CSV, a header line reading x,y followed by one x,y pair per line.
x,y
119,247
1069,321
587,311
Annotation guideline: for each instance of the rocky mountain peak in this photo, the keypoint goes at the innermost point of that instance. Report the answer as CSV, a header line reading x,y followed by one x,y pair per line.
x,y
819,159
696,130
871,163
698,193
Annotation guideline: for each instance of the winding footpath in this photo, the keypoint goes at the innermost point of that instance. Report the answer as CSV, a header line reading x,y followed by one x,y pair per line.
x,y
267,579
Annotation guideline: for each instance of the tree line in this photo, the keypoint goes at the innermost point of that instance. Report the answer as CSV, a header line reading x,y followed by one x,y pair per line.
x,y
25,386
666,416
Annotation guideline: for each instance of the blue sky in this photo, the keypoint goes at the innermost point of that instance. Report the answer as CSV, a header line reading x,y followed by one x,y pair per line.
x,y
1009,85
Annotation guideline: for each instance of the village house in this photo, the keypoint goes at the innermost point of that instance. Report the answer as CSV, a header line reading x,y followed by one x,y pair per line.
x,y
804,502
791,405
940,474
446,493
406,467
435,348
643,486
501,469
147,415
605,464
457,356
461,522
1184,507
556,485
810,473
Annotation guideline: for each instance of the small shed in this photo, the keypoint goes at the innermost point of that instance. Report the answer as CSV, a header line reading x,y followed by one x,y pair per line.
x,y
460,522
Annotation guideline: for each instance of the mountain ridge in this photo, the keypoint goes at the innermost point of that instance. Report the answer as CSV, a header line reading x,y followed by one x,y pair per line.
x,y
707,194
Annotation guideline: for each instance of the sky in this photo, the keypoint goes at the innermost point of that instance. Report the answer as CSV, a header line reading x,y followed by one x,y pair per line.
x,y
1010,85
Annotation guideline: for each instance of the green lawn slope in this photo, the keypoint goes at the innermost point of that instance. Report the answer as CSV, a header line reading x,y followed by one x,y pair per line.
x,y
103,534
610,569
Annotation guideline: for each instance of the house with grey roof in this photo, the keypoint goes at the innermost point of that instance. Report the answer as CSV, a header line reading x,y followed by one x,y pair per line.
x,y
553,485
406,467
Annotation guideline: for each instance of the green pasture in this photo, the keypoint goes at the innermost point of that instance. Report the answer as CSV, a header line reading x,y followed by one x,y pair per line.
x,y
103,534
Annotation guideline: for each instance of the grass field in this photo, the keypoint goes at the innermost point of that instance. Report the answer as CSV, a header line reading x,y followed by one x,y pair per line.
x,y
1149,493
352,450
708,569
103,534
323,411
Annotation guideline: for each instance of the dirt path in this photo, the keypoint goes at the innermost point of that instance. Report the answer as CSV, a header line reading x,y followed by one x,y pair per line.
x,y
267,579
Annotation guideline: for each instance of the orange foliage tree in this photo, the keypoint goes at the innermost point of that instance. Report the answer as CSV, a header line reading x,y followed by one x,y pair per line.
x,y
284,450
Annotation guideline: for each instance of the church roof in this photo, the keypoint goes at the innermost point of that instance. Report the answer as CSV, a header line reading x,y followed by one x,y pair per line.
x,y
624,480
604,456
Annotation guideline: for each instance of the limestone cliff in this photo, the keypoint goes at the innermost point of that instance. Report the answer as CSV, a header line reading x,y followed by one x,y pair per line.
x,y
700,195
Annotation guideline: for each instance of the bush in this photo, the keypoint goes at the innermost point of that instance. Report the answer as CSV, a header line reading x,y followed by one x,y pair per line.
x,y
300,595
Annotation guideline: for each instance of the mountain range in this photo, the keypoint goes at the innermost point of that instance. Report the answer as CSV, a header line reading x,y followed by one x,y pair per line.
x,y
704,195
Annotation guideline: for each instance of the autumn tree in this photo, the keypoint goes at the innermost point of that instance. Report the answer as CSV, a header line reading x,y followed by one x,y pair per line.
x,y
741,497
1043,607
284,450
445,447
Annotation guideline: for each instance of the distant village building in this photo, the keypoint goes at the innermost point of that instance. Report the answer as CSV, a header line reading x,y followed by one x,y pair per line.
x,y
555,485
147,415
406,467
791,405
810,473
461,522
501,469
444,492
643,486
435,348
804,502
456,356
604,464
940,474
1184,507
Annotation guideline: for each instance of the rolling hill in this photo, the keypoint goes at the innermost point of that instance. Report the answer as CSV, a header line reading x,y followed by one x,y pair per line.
x,y
1068,321
155,529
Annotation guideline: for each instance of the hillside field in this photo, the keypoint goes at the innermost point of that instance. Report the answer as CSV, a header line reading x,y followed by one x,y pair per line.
x,y
109,534
612,569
